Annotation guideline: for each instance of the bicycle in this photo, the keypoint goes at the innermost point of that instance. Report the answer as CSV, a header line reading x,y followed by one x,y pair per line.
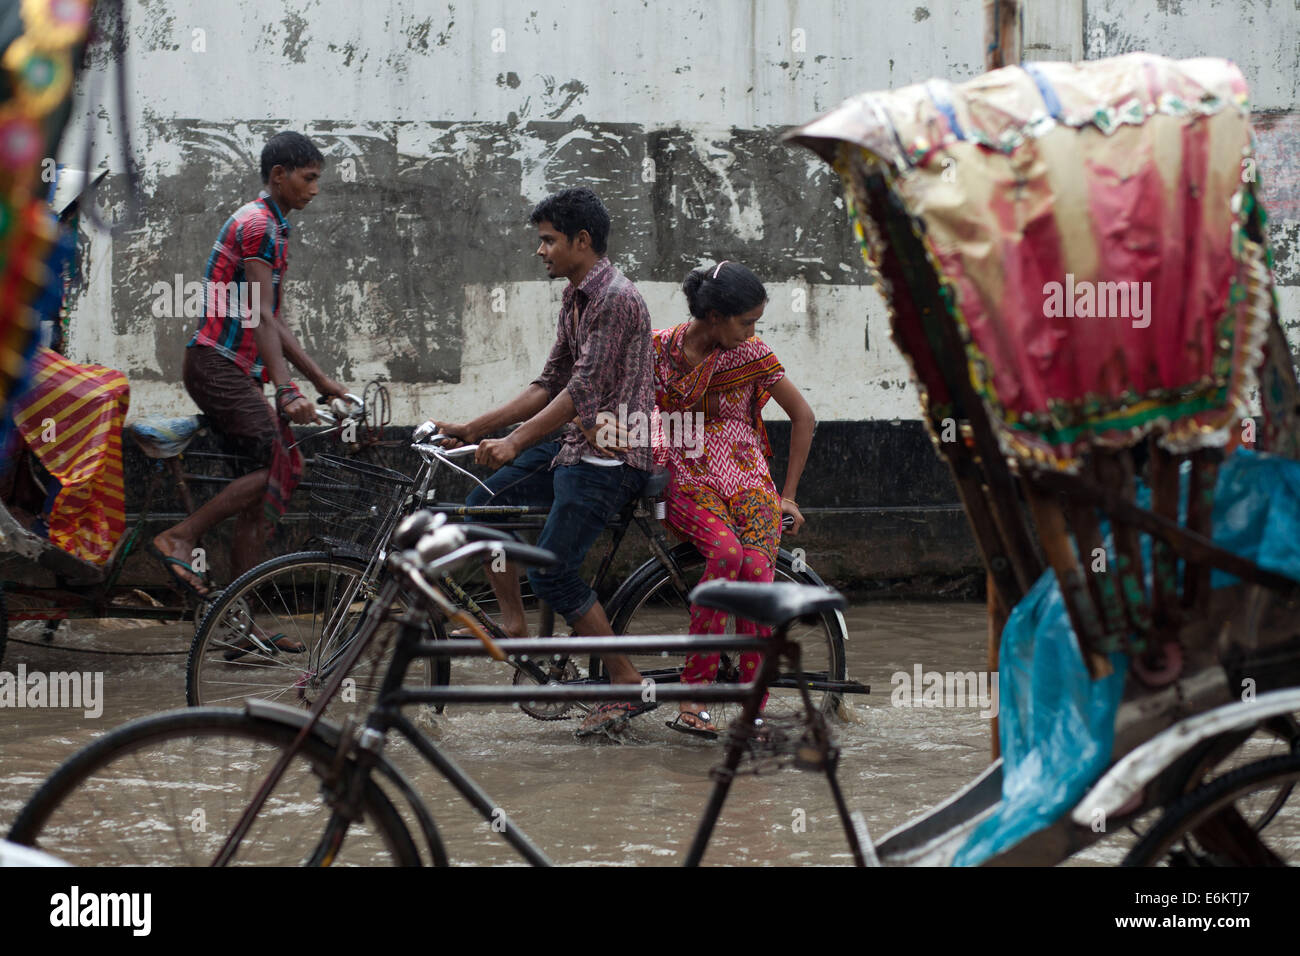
x,y
329,795
271,783
330,587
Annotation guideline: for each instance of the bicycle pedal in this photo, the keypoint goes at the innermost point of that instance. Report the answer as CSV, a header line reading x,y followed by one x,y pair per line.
x,y
810,758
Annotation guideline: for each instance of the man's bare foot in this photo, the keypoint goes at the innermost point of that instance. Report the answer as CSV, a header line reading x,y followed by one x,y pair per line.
x,y
176,554
264,642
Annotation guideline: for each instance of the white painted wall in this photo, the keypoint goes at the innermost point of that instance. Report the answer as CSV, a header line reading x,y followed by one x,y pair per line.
x,y
710,65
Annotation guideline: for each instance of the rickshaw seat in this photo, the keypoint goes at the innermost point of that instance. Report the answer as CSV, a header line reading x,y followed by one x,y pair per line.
x,y
165,437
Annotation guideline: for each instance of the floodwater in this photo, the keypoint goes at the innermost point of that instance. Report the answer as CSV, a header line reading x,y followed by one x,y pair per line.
x,y
581,802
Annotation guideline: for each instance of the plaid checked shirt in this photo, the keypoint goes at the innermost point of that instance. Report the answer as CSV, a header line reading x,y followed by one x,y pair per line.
x,y
602,355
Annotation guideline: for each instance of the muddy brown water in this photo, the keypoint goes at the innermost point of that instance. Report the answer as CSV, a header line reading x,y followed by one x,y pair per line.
x,y
635,803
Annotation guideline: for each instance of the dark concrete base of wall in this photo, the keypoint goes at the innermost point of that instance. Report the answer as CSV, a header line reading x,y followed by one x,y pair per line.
x,y
883,516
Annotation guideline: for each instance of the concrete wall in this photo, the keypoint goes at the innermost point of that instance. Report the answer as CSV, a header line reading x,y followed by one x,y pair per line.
x,y
444,123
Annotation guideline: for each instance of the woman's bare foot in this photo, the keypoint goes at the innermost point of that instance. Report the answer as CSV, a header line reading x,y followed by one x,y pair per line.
x,y
696,717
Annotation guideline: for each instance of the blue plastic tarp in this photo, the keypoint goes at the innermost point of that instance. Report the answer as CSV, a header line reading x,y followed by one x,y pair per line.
x,y
1057,725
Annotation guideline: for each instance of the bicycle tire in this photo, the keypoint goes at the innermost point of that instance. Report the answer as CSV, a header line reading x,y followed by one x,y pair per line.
x,y
213,679
220,746
633,601
1209,816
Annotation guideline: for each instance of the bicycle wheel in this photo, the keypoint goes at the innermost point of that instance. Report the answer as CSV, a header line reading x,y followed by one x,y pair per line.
x,y
1276,738
313,597
650,603
1214,824
169,788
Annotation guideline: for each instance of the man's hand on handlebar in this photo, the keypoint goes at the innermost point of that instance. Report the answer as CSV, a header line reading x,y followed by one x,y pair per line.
x,y
453,436
328,388
496,452
300,411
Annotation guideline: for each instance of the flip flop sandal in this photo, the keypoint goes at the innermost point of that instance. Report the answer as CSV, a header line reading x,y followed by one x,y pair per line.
x,y
616,716
251,645
681,725
170,565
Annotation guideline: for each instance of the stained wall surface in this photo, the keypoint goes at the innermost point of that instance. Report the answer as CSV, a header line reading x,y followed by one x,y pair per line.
x,y
444,123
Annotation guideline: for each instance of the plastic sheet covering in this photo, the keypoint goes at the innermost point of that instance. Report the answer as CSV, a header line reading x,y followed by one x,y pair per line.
x,y
1057,725
1257,513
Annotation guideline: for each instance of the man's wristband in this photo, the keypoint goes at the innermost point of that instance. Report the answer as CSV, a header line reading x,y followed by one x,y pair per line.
x,y
288,388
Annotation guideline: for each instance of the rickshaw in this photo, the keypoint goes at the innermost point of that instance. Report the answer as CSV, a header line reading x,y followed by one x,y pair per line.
x,y
69,566
1077,269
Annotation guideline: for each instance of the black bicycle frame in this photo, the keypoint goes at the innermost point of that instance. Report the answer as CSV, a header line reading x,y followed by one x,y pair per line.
x,y
386,715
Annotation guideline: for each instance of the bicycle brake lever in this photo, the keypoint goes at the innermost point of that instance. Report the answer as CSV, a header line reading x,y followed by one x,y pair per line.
x,y
442,455
467,474
424,431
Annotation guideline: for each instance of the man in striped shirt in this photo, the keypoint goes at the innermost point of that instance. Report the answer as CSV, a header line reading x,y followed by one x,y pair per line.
x,y
242,342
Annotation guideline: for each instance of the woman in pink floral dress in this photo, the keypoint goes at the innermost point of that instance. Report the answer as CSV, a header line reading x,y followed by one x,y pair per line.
x,y
721,494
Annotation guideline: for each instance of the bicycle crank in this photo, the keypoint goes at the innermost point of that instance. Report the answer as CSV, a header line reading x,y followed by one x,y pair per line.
x,y
554,673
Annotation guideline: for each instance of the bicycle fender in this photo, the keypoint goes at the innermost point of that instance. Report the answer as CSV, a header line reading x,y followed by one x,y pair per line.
x,y
1143,764
291,717
810,576
330,733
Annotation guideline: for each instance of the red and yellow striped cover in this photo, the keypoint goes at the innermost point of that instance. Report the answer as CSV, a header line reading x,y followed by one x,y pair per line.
x,y
71,418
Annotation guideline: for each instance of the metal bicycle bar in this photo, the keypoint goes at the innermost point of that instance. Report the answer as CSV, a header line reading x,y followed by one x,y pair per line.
x,y
642,644
547,693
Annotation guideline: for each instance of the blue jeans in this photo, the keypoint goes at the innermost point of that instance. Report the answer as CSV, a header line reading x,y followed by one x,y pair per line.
x,y
583,499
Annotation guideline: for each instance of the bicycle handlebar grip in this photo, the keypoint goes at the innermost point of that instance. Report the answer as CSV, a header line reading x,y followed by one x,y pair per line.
x,y
479,532
414,527
528,555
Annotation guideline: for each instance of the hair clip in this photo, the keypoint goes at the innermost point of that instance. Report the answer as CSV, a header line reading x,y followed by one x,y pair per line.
x,y
719,268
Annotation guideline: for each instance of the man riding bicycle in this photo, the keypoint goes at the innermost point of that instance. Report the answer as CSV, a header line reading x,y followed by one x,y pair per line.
x,y
601,361
243,342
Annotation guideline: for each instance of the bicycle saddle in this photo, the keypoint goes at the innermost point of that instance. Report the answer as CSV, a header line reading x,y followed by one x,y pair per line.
x,y
770,605
164,437
656,483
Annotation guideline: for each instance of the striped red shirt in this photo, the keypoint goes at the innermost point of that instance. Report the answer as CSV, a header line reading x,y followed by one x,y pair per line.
x,y
257,230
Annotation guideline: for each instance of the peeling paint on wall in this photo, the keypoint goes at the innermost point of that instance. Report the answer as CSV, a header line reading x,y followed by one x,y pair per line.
x,y
444,124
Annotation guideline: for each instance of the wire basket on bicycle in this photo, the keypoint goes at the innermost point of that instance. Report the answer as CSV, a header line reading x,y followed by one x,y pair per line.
x,y
353,503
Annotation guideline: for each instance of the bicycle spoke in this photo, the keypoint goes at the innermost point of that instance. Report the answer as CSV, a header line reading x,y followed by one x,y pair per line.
x,y
168,789
316,599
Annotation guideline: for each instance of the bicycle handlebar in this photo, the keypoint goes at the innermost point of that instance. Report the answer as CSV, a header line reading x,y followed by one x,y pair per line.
x,y
439,452
428,451
439,547
348,407
436,545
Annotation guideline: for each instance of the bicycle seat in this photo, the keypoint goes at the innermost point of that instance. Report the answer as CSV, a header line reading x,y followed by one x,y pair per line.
x,y
164,437
770,605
